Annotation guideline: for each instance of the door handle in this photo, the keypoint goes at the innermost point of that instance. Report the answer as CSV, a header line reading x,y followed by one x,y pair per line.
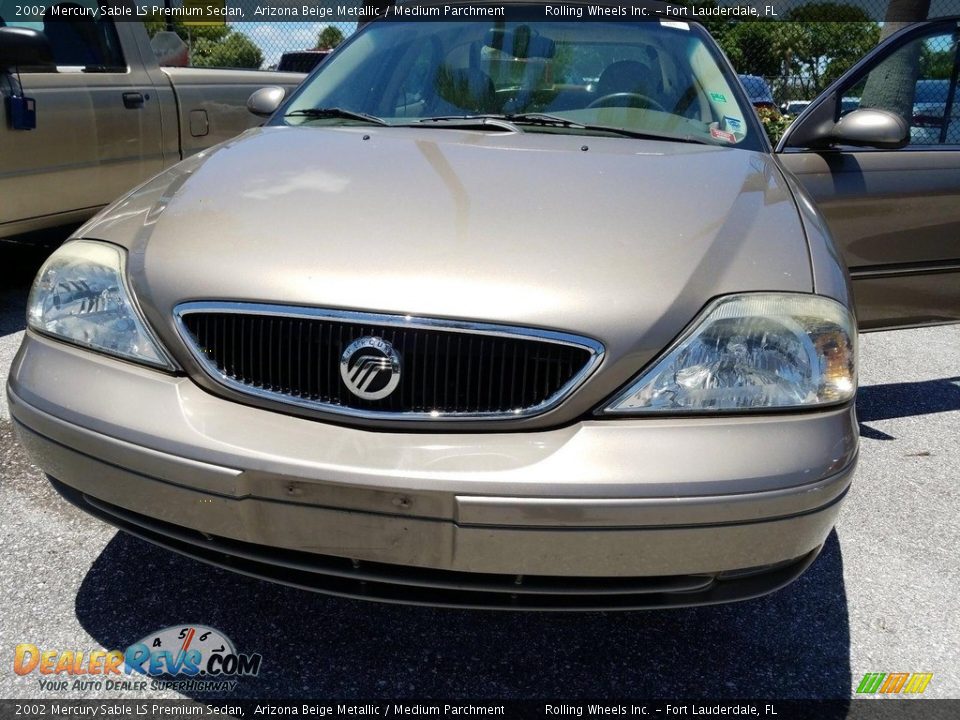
x,y
133,100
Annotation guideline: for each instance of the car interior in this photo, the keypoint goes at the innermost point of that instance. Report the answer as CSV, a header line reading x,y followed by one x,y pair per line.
x,y
631,78
521,71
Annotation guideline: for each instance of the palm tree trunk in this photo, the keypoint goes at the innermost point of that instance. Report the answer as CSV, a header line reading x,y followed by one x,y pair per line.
x,y
893,88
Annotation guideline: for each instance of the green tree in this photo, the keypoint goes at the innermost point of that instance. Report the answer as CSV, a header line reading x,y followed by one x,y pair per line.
x,y
329,38
935,63
816,42
753,47
213,45
821,41
233,50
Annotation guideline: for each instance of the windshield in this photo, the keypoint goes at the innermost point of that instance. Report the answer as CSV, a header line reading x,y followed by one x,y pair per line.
x,y
648,78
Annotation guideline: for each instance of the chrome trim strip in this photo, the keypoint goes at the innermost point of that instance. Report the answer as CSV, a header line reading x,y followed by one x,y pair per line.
x,y
593,347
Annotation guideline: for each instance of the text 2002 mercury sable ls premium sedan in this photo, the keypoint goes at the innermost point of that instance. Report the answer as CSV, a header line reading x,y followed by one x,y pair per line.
x,y
464,325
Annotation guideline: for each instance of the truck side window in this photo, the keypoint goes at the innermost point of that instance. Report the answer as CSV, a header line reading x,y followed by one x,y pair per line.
x,y
77,38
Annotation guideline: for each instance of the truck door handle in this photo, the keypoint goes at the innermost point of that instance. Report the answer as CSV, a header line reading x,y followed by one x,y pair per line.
x,y
132,100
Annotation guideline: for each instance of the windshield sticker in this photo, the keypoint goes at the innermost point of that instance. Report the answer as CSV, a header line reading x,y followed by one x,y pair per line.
x,y
718,97
722,135
675,24
733,123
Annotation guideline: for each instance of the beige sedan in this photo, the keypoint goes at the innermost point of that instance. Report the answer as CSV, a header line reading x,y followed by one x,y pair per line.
x,y
461,326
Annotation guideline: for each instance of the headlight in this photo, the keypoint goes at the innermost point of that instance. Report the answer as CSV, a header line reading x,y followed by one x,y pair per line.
x,y
80,295
752,352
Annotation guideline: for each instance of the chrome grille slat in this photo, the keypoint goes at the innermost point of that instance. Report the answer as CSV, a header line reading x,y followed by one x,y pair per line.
x,y
450,369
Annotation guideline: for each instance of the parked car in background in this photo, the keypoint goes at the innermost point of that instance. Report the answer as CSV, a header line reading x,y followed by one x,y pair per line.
x,y
849,103
593,347
106,115
301,61
794,107
930,124
759,92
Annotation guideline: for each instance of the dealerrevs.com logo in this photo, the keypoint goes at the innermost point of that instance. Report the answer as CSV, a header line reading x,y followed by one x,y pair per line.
x,y
183,657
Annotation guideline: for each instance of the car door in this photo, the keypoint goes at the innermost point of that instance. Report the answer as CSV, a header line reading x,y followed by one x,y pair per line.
x,y
98,128
894,212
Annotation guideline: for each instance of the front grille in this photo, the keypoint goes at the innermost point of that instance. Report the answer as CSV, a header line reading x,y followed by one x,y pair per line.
x,y
446,369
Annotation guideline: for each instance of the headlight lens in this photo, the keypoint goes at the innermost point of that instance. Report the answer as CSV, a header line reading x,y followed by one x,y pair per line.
x,y
752,352
80,295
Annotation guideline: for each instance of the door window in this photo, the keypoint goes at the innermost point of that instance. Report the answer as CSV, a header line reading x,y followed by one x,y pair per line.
x,y
81,40
918,82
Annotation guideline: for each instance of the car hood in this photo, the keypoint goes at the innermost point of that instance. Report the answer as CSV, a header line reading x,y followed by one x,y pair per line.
x,y
621,240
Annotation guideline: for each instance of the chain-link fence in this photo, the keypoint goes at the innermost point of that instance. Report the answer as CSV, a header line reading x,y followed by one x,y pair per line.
x,y
808,45
789,59
296,46
798,56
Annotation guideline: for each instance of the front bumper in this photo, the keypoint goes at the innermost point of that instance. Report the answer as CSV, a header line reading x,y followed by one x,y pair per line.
x,y
624,513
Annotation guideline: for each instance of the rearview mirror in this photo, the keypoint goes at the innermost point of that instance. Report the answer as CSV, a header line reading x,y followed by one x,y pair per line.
x,y
265,101
870,127
23,47
520,43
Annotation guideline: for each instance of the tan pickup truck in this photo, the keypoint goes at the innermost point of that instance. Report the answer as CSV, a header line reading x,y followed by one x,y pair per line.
x,y
107,115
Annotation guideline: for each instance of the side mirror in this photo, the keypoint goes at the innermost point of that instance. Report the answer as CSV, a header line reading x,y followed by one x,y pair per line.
x,y
869,127
265,101
170,49
23,47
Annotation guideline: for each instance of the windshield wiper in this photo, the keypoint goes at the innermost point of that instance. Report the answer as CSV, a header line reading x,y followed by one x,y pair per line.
x,y
335,112
530,118
557,121
544,119
640,135
547,120
513,119
484,120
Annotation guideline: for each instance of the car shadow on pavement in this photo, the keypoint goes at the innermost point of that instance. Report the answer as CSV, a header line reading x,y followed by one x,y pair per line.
x,y
18,266
898,400
791,644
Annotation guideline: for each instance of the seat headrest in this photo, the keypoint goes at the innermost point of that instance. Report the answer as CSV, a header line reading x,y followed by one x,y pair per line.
x,y
625,76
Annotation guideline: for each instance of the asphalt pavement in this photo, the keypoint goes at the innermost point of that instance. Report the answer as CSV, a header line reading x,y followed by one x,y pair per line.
x,y
880,598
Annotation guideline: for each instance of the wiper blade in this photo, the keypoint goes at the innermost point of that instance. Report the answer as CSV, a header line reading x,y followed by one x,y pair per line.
x,y
335,112
543,119
514,118
557,121
644,135
479,120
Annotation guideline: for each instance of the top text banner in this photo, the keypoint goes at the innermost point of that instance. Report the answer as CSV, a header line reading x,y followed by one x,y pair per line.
x,y
219,11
